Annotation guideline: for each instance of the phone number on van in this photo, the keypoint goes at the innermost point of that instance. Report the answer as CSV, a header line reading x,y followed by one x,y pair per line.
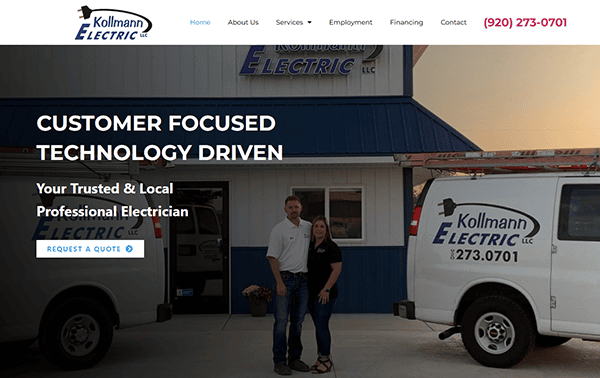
x,y
489,255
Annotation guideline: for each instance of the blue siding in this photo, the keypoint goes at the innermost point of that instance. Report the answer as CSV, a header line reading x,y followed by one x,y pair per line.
x,y
306,126
372,278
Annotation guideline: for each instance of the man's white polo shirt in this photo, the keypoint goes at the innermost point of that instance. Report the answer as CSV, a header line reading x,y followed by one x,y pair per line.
x,y
289,245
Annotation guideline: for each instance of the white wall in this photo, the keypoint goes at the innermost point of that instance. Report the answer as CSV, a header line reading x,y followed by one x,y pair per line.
x,y
183,71
257,197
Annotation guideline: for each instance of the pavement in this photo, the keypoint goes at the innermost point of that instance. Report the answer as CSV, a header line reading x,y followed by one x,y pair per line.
x,y
363,345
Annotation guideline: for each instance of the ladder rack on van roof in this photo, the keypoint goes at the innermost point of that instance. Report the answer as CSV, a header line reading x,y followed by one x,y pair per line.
x,y
522,161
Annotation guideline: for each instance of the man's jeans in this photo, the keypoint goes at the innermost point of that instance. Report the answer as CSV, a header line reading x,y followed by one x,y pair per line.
x,y
321,313
294,305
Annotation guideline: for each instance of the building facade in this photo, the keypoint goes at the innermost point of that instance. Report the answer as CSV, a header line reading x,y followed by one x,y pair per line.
x,y
261,122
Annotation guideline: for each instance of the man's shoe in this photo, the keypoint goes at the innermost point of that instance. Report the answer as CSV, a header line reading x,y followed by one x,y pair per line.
x,y
299,366
283,369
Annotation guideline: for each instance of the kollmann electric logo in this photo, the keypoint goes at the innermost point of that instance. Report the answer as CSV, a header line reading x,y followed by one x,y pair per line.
x,y
112,25
485,224
309,60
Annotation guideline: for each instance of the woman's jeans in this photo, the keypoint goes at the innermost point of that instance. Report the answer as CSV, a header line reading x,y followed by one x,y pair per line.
x,y
321,313
294,305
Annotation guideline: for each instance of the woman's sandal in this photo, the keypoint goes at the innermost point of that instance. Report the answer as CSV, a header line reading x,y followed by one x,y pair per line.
x,y
322,366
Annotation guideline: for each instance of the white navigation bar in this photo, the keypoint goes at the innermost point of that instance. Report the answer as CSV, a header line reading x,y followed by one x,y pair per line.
x,y
100,22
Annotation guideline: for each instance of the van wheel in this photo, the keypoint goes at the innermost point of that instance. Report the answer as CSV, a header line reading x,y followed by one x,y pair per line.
x,y
77,334
497,332
550,341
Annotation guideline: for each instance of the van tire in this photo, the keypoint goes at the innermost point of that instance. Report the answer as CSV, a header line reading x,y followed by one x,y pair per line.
x,y
497,332
550,341
76,334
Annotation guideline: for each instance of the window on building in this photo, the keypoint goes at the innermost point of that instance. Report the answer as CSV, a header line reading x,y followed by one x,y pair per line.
x,y
579,217
341,206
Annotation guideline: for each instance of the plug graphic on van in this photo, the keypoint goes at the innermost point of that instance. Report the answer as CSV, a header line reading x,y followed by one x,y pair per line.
x,y
449,207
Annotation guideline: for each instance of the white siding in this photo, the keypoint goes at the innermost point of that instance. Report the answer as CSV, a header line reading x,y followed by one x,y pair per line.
x,y
257,197
182,71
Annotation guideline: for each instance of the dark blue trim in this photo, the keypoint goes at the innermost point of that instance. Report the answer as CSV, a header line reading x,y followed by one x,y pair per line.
x,y
306,126
408,70
372,278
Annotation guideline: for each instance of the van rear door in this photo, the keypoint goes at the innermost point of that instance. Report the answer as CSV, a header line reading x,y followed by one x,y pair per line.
x,y
575,280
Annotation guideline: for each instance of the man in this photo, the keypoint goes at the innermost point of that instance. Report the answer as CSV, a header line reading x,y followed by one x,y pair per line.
x,y
288,255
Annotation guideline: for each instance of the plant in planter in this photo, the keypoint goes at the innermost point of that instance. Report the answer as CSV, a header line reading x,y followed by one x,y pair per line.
x,y
258,297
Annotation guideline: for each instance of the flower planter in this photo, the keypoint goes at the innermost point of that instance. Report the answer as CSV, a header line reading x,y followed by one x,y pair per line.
x,y
258,307
258,297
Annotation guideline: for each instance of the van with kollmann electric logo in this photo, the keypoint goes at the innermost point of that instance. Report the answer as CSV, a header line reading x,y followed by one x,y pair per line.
x,y
52,293
199,256
509,260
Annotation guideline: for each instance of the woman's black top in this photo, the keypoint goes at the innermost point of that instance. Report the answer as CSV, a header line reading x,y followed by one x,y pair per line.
x,y
320,259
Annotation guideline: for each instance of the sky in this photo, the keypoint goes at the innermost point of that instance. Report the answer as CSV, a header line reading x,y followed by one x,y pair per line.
x,y
514,97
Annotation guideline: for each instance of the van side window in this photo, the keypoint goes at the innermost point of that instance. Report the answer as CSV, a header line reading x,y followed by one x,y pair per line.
x,y
579,215
185,225
207,221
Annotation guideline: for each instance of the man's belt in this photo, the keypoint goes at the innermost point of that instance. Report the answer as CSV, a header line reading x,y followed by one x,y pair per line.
x,y
288,273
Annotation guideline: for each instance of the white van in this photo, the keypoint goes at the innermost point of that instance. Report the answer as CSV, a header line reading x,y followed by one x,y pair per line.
x,y
199,255
71,305
507,260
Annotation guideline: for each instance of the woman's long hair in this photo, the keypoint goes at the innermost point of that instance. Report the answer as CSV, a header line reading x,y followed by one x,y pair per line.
x,y
323,219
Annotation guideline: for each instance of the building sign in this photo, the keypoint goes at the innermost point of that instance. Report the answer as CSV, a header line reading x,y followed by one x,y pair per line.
x,y
296,60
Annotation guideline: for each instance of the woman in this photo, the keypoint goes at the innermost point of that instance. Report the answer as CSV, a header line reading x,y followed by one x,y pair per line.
x,y
324,268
